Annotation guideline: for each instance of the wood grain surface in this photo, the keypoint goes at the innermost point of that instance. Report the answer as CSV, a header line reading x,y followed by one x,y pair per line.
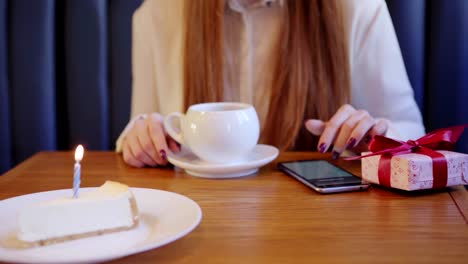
x,y
272,218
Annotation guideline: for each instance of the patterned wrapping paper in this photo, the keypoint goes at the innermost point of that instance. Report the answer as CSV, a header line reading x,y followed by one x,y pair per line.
x,y
414,171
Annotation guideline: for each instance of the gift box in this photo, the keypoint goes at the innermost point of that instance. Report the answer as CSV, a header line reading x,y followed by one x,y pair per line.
x,y
425,163
414,171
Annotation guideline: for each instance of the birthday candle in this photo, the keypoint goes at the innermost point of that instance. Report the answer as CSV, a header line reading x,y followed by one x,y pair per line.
x,y
77,170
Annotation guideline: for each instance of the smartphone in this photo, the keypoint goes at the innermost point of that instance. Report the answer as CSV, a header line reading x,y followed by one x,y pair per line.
x,y
323,176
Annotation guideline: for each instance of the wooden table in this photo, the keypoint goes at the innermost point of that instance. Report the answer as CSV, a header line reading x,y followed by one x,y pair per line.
x,y
272,218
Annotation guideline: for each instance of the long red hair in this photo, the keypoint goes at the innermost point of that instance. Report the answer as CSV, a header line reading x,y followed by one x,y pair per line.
x,y
311,76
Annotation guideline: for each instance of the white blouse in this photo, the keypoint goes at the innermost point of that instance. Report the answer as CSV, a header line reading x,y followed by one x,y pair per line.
x,y
379,83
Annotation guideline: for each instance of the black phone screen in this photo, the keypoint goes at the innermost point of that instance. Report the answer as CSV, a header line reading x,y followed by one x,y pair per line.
x,y
321,173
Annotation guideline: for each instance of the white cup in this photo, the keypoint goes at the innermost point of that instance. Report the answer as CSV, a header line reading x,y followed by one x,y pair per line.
x,y
216,132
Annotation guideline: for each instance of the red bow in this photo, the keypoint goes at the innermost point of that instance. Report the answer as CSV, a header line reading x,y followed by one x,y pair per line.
x,y
441,139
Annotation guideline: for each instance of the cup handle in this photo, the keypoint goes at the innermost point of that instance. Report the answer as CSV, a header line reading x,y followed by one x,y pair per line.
x,y
168,121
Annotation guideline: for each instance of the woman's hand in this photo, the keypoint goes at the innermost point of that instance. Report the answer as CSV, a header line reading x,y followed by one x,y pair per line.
x,y
146,144
348,129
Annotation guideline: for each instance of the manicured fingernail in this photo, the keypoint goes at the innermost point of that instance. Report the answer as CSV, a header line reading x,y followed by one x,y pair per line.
x,y
367,139
351,143
322,148
162,152
335,155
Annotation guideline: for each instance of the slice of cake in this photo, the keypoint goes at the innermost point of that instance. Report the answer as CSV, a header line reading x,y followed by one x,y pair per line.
x,y
109,208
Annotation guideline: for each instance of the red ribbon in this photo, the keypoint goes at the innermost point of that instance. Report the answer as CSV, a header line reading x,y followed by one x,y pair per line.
x,y
441,139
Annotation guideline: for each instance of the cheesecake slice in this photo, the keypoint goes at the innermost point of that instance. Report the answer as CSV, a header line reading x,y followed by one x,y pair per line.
x,y
110,208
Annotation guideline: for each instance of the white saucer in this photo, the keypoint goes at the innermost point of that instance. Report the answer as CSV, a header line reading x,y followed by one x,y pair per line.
x,y
260,156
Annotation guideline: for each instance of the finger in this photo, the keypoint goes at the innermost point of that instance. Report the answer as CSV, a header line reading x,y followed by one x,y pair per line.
x,y
315,126
345,138
145,142
137,150
173,145
128,156
158,136
380,128
362,128
332,127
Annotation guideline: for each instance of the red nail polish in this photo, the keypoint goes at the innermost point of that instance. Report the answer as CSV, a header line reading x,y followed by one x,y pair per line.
x,y
322,148
162,152
351,143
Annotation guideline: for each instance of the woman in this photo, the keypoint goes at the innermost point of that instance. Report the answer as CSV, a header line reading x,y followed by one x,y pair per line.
x,y
325,74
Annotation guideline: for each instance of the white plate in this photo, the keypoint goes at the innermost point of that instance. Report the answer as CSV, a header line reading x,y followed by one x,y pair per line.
x,y
260,156
164,218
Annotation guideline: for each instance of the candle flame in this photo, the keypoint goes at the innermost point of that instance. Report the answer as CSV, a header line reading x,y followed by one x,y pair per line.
x,y
79,153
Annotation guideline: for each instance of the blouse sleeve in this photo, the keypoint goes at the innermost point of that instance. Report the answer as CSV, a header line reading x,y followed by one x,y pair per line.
x,y
379,82
144,96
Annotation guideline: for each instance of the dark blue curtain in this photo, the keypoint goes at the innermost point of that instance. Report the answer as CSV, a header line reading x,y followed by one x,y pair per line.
x,y
433,37
65,70
447,72
5,133
409,20
87,74
65,75
31,68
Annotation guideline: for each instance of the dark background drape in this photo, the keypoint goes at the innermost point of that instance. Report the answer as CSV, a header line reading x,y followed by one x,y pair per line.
x,y
65,75
65,70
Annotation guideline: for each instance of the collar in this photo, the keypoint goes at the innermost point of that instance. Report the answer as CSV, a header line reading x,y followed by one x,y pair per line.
x,y
244,5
